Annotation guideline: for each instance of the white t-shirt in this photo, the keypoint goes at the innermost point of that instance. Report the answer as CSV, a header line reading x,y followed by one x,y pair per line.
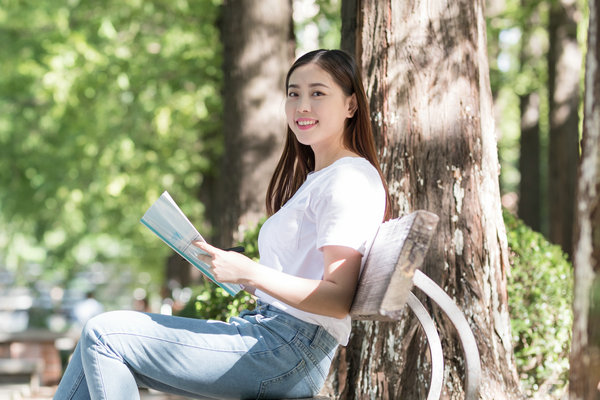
x,y
340,205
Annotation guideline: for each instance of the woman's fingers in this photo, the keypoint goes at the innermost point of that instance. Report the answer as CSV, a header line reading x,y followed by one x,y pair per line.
x,y
211,250
226,266
203,246
206,253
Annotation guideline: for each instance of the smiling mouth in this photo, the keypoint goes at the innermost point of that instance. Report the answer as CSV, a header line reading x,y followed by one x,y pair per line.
x,y
306,124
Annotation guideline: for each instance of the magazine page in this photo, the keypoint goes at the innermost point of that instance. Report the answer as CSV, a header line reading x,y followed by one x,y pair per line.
x,y
170,224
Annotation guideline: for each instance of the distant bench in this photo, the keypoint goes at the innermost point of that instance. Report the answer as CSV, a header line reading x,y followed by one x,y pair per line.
x,y
30,353
15,370
391,270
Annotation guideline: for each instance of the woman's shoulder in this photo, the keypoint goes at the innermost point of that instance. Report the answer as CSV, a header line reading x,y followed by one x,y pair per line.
x,y
348,175
351,168
351,185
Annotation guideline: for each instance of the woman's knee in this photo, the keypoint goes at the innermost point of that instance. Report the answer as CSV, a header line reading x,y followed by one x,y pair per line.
x,y
106,323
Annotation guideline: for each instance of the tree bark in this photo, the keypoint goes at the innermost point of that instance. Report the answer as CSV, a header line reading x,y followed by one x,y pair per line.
x,y
564,67
426,74
584,383
257,36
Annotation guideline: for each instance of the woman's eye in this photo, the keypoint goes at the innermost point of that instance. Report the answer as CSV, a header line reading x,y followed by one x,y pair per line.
x,y
317,93
292,94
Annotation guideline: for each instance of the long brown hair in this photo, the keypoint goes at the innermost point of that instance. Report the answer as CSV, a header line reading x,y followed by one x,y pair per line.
x,y
297,159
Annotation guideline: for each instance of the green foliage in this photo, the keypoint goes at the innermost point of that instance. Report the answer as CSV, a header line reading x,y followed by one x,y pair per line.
x,y
329,23
540,294
250,241
212,302
517,52
317,24
104,105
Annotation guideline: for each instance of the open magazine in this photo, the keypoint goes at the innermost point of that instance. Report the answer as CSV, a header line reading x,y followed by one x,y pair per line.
x,y
169,223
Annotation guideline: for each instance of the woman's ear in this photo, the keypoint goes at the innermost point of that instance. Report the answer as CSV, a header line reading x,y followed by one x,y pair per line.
x,y
352,105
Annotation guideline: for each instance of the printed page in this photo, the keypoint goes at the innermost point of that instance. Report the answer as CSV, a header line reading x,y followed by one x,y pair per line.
x,y
170,224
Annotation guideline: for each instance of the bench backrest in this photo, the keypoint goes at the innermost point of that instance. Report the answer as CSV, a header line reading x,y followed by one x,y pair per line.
x,y
398,250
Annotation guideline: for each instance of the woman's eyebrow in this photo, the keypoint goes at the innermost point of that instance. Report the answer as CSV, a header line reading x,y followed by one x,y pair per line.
x,y
316,84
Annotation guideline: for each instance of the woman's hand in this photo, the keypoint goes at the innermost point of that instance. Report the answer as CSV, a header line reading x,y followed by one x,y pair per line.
x,y
226,266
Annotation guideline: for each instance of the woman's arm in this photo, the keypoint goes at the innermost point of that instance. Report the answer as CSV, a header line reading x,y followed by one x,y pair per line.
x,y
332,296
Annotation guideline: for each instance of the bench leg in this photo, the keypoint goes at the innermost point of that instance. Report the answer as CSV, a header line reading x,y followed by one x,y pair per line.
x,y
435,346
467,339
36,379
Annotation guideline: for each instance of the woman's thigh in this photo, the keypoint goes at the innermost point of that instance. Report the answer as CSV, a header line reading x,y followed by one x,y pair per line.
x,y
205,358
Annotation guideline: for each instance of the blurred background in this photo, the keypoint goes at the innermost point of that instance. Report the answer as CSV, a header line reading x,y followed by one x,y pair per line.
x,y
104,105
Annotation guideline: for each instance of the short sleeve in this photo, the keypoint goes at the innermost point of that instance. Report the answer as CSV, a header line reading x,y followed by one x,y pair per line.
x,y
350,208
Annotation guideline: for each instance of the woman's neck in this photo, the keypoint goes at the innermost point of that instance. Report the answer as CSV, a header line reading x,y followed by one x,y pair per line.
x,y
325,159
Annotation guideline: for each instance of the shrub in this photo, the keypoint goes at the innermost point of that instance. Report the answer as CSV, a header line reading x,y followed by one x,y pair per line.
x,y
540,293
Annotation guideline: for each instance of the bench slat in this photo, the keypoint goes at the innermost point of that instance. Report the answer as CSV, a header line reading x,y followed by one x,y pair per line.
x,y
398,250
17,366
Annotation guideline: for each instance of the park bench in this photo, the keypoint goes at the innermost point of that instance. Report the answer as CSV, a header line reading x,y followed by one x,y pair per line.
x,y
392,269
28,371
30,355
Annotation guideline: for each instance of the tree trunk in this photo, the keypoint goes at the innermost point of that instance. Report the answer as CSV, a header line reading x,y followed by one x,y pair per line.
x,y
564,67
529,161
426,75
584,383
257,36
530,194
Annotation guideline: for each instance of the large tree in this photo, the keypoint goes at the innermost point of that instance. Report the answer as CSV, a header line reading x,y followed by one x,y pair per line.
x,y
426,74
258,42
585,349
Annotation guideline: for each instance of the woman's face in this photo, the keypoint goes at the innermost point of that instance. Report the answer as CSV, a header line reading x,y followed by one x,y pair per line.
x,y
317,108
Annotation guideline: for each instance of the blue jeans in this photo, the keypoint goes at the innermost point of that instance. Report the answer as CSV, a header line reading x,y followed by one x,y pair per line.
x,y
265,353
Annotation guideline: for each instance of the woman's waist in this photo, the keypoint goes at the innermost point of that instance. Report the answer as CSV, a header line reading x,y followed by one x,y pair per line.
x,y
306,323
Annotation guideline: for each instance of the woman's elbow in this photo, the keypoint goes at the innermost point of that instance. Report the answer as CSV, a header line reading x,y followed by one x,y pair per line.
x,y
340,310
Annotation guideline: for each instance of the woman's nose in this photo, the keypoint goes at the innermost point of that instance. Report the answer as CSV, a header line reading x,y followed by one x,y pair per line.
x,y
304,104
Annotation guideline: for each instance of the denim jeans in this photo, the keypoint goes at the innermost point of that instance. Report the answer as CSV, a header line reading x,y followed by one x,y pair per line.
x,y
265,353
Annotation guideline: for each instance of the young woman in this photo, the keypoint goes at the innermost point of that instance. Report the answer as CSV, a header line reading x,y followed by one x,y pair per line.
x,y
326,200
